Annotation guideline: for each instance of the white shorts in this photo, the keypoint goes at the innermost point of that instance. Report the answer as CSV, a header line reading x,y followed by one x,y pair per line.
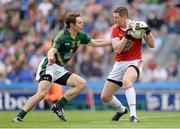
x,y
54,70
119,69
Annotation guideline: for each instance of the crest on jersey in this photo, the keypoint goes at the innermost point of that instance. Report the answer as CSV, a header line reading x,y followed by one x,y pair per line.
x,y
67,44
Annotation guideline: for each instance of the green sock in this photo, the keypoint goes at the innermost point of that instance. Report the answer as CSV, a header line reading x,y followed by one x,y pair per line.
x,y
61,103
22,114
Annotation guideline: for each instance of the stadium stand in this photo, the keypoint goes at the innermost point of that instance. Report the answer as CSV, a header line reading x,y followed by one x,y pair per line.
x,y
27,28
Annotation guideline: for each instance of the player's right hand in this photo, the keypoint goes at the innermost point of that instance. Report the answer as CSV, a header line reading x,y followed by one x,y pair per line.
x,y
114,40
127,34
51,61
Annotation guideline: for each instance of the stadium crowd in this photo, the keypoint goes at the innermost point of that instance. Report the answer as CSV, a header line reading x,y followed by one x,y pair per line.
x,y
27,28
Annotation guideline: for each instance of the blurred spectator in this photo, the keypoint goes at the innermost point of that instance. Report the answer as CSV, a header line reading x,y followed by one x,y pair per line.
x,y
177,52
149,68
45,6
25,73
153,21
159,74
101,23
13,72
28,26
51,19
3,30
96,70
172,69
35,59
93,8
18,54
29,51
89,24
158,40
171,11
146,75
3,71
170,16
85,66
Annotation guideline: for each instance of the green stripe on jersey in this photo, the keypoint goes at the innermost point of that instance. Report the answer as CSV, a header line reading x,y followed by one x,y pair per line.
x,y
58,35
60,60
43,67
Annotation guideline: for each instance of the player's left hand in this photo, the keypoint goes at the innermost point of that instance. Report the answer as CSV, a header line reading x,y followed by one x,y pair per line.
x,y
148,30
142,25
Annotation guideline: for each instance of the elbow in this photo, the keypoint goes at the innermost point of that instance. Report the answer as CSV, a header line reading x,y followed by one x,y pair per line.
x,y
152,46
117,50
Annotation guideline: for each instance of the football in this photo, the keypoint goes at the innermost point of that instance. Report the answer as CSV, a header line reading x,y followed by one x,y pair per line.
x,y
137,34
138,29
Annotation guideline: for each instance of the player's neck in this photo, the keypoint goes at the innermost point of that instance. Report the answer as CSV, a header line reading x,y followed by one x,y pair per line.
x,y
127,22
125,25
72,32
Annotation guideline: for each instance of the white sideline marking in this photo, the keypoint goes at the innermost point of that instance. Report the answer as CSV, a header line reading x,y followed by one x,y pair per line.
x,y
90,128
154,116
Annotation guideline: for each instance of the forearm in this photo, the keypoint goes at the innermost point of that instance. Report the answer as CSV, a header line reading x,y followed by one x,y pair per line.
x,y
50,55
149,40
100,42
118,45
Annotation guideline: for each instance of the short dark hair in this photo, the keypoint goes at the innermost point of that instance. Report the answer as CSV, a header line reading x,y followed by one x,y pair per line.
x,y
122,11
71,18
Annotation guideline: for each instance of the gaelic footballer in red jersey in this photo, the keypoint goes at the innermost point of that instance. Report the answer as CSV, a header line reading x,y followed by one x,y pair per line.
x,y
128,63
132,48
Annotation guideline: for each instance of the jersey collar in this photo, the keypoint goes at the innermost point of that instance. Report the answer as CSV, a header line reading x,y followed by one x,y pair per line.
x,y
66,31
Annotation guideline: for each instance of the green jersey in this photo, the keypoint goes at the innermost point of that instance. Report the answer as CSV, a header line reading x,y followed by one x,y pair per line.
x,y
67,46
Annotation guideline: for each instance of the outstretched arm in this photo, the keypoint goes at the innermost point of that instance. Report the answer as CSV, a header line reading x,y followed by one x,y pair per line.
x,y
100,42
50,56
149,38
118,45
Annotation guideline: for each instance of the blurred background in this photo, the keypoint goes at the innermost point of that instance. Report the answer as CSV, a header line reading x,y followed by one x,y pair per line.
x,y
27,28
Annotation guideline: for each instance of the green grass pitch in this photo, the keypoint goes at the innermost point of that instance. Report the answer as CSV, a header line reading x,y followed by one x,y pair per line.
x,y
91,119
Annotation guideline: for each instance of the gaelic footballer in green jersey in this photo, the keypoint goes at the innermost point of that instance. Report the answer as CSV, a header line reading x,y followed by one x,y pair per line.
x,y
51,68
66,46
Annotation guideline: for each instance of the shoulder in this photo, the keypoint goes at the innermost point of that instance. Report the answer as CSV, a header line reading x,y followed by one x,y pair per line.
x,y
82,33
60,35
84,37
114,27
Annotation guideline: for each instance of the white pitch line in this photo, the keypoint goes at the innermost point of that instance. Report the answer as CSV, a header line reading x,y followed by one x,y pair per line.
x,y
162,116
90,128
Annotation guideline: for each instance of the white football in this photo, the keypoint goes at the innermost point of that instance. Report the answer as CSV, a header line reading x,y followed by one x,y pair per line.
x,y
138,29
137,34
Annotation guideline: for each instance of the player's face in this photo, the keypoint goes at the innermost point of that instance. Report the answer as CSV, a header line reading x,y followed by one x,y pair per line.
x,y
79,25
119,20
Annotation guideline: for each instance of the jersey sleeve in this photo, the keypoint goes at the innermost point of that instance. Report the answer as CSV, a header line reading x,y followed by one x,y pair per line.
x,y
57,43
85,39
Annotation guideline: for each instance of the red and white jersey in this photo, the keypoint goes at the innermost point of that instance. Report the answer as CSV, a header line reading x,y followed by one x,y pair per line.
x,y
132,49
